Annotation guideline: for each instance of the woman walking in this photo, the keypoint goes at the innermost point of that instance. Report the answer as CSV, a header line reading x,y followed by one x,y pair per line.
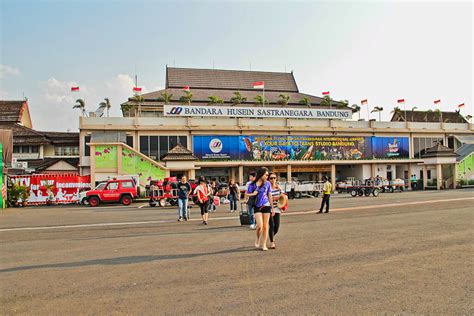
x,y
274,219
261,191
233,195
202,191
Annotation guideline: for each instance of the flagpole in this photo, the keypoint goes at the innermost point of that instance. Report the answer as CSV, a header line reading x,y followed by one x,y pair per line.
x,y
368,114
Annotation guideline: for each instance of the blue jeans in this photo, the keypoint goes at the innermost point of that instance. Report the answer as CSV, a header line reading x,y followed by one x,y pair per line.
x,y
183,208
233,202
251,215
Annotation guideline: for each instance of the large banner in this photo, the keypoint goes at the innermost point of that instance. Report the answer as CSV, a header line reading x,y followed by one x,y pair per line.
x,y
272,148
264,112
64,188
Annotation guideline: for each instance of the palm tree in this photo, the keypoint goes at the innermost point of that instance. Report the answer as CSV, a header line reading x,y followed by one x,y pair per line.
x,y
261,100
80,104
427,114
126,107
238,99
105,105
397,111
166,97
378,109
187,98
342,104
138,99
215,100
468,117
326,101
356,109
284,99
437,114
305,101
413,112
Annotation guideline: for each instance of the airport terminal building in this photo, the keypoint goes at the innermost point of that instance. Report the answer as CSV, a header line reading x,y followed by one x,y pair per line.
x,y
215,123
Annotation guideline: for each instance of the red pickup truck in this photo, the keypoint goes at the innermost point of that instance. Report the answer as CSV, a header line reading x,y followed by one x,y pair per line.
x,y
116,190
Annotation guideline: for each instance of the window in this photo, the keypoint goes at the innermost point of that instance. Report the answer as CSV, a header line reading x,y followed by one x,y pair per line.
x,y
112,186
127,185
87,149
183,140
163,146
423,143
144,146
130,140
16,149
66,151
35,149
154,147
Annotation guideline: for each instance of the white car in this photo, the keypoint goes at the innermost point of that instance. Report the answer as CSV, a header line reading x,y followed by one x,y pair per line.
x,y
83,195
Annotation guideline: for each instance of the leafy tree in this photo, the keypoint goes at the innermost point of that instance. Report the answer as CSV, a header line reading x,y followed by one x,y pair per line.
x,y
356,109
81,105
214,100
284,99
105,105
305,101
378,109
397,111
437,114
238,99
326,101
260,100
187,98
166,97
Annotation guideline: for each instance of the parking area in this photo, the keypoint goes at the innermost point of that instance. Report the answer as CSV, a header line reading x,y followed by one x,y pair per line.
x,y
405,252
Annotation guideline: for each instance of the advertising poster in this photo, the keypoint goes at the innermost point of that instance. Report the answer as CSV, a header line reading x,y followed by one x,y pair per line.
x,y
296,147
134,164
105,157
2,187
59,188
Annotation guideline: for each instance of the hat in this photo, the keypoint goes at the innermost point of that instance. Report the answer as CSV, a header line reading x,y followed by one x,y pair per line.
x,y
282,202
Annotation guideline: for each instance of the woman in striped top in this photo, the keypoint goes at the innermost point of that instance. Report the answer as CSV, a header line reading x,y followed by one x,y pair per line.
x,y
275,219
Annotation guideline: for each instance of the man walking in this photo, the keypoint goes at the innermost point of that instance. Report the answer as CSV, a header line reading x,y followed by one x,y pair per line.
x,y
327,188
250,208
184,189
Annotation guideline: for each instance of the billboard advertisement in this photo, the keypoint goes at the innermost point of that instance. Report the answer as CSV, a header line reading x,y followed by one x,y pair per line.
x,y
62,188
296,147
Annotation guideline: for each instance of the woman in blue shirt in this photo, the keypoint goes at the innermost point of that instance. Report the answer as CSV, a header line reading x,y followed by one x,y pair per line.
x,y
261,188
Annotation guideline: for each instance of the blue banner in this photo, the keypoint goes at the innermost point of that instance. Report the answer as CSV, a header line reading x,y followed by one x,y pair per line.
x,y
295,147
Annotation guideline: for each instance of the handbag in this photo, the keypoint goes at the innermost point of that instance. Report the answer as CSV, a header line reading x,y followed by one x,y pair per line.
x,y
252,201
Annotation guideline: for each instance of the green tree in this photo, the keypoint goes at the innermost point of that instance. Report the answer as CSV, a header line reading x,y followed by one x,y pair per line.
x,y
413,112
284,99
378,109
166,97
105,105
326,101
81,105
437,114
342,104
305,101
187,98
215,100
260,100
356,109
138,100
126,107
238,99
427,115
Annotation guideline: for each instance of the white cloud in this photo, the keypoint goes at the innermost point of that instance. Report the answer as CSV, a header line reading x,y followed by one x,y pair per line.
x,y
6,70
58,91
119,89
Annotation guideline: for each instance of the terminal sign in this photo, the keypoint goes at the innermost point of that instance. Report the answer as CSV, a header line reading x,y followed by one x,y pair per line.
x,y
263,112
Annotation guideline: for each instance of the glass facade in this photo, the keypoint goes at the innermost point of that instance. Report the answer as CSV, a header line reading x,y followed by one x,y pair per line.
x,y
66,151
420,144
156,147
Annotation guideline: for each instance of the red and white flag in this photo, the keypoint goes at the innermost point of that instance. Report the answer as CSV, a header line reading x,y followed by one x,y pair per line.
x,y
186,88
364,102
259,85
74,89
461,105
401,101
137,89
437,101
325,92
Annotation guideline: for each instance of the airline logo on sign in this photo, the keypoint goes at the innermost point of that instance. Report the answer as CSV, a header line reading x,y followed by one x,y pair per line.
x,y
228,111
215,145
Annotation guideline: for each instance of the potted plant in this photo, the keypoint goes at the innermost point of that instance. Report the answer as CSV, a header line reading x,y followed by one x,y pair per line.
x,y
24,194
13,195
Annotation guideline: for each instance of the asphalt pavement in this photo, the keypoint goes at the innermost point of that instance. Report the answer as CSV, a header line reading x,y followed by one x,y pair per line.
x,y
399,253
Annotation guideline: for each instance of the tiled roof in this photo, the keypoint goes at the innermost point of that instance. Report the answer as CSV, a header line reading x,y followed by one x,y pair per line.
x,y
439,150
63,138
229,79
201,96
10,111
424,116
179,153
464,151
26,136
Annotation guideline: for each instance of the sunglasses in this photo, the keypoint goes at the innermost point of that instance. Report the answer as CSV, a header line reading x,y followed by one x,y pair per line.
x,y
272,178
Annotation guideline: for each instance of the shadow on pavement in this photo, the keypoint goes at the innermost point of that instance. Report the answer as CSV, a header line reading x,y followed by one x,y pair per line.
x,y
126,260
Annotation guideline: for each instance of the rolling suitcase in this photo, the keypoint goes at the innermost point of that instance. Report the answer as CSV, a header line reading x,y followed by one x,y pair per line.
x,y
244,214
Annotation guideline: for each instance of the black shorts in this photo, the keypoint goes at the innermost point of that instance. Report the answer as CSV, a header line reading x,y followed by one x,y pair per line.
x,y
263,209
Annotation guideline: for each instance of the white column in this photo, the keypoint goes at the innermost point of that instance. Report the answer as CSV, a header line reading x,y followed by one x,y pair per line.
x,y
425,177
439,176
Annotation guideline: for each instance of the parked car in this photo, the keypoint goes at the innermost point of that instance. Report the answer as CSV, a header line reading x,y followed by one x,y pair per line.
x,y
115,190
83,200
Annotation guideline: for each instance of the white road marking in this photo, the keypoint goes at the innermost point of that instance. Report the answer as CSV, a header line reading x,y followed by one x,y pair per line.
x,y
228,217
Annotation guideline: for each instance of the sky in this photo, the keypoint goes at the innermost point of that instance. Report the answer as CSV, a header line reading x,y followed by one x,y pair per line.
x,y
380,51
